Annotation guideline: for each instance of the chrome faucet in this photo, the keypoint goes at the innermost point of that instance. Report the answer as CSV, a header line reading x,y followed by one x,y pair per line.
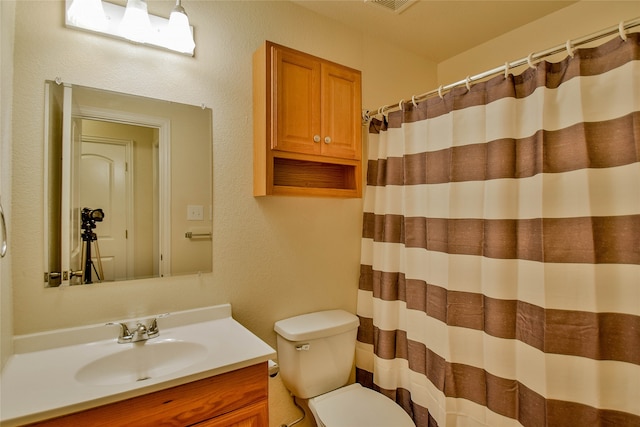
x,y
140,332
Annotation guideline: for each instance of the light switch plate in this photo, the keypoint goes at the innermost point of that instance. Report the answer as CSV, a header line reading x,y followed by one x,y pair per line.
x,y
195,212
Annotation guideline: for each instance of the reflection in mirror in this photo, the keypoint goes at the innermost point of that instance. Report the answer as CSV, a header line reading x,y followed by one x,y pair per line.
x,y
128,180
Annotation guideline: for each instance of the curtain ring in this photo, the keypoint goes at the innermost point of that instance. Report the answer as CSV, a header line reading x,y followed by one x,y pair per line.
x,y
440,92
467,83
623,33
413,101
400,105
569,48
506,70
530,60
381,110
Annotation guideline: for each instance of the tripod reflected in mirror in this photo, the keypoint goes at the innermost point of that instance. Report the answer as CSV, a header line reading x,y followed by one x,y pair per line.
x,y
89,239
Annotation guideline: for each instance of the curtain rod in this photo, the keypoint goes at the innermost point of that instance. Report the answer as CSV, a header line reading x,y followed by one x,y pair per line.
x,y
531,59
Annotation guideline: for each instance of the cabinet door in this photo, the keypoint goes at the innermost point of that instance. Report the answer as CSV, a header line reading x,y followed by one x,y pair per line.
x,y
256,415
341,120
296,95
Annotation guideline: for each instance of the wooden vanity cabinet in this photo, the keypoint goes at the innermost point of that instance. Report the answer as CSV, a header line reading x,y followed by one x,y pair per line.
x,y
307,125
234,399
249,416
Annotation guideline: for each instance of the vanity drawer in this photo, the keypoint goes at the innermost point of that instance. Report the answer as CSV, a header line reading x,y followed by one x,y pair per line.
x,y
181,405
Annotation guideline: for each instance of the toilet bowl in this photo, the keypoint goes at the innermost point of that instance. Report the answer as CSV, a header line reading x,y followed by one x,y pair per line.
x,y
357,406
315,354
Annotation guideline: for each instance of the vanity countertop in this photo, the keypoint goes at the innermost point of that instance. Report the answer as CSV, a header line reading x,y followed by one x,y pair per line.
x,y
41,380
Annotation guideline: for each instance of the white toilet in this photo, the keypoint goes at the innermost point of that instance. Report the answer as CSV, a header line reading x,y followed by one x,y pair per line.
x,y
315,353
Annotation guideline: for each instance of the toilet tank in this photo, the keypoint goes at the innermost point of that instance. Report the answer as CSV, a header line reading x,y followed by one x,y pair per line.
x,y
316,350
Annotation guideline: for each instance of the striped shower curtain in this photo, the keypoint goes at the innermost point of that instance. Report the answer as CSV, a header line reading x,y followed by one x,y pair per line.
x,y
500,276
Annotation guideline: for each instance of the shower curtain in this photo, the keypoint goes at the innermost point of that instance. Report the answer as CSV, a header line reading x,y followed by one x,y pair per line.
x,y
500,273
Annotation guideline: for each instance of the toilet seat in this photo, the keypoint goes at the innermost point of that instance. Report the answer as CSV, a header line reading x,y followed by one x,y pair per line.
x,y
357,406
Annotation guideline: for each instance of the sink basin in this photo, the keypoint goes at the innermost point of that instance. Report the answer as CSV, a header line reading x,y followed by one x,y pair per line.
x,y
141,361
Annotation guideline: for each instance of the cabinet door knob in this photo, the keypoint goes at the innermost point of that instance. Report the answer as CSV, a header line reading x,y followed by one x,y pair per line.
x,y
316,138
327,140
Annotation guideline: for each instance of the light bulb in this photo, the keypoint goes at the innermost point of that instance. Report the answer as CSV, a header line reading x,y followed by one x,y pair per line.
x,y
87,14
179,35
135,24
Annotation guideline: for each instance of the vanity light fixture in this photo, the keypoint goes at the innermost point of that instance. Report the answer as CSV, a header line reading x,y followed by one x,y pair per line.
x,y
132,23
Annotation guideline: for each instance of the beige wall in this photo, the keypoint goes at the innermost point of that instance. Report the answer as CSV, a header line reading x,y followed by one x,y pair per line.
x,y
7,10
583,18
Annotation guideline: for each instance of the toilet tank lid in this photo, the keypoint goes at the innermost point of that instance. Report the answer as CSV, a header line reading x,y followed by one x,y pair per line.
x,y
316,325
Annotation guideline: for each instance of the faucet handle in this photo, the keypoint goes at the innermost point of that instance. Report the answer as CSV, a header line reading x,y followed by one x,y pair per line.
x,y
152,329
125,335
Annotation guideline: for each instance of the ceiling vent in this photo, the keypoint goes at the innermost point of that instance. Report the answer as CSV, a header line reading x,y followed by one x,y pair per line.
x,y
395,6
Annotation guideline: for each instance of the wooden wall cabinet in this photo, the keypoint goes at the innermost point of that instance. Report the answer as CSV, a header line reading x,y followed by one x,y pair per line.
x,y
234,399
307,125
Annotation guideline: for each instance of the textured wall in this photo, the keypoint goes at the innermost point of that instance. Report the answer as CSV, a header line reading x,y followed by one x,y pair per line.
x,y
580,19
7,10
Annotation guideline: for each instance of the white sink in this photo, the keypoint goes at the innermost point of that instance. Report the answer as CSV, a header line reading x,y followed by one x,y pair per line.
x,y
142,361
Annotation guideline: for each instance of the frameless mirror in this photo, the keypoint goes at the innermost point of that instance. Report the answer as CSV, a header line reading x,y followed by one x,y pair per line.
x,y
128,186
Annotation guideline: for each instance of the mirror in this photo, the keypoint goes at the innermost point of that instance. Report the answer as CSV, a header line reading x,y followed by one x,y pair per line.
x,y
128,191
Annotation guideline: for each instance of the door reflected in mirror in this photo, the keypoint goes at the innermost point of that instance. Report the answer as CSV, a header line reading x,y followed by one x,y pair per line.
x,y
118,164
143,167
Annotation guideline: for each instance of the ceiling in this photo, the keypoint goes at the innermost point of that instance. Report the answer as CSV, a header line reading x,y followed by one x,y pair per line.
x,y
434,29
